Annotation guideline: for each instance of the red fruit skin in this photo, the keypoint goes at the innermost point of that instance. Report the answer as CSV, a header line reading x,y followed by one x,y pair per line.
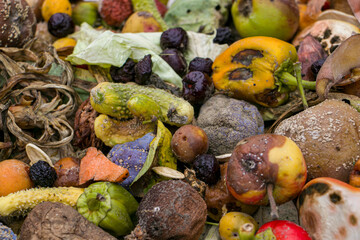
x,y
161,7
285,230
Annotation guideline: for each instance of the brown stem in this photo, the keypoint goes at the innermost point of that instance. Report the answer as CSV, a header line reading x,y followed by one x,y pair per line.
x,y
4,145
274,212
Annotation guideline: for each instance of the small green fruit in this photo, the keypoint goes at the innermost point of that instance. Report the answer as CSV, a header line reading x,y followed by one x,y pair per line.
x,y
85,12
276,18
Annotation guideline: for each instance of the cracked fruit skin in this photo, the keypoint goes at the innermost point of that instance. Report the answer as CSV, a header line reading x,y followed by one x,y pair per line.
x,y
275,18
246,70
109,206
236,226
266,159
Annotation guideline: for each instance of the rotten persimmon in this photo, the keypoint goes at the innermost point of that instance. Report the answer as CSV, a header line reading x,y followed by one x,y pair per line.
x,y
259,70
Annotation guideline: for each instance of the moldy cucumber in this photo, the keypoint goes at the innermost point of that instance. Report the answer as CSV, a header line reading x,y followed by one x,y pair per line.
x,y
112,99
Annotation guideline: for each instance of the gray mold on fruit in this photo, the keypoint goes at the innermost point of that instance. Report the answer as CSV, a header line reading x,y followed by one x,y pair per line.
x,y
226,121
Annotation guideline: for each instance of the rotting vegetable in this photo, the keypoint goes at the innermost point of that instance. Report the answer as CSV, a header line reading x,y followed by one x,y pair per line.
x,y
21,202
95,166
259,70
109,206
112,131
113,99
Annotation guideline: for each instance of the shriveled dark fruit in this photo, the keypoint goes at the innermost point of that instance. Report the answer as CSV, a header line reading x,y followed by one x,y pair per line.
x,y
125,73
176,60
310,51
207,168
143,70
224,35
188,142
197,87
174,38
84,127
42,174
201,64
219,200
172,210
17,23
60,25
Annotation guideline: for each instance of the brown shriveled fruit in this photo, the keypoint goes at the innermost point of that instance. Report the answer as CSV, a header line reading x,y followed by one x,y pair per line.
x,y
188,142
219,200
172,210
54,220
84,127
67,170
18,23
328,135
14,176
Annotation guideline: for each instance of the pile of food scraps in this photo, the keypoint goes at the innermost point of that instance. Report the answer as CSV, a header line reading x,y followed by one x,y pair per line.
x,y
179,119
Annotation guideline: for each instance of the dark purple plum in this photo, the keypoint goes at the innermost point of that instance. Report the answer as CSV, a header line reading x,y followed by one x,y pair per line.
x,y
176,60
197,87
207,168
143,70
201,64
174,38
60,25
125,73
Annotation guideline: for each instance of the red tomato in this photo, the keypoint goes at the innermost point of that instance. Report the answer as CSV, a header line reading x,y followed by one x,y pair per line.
x,y
283,230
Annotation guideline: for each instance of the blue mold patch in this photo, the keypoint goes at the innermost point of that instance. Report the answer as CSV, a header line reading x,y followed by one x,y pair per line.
x,y
131,155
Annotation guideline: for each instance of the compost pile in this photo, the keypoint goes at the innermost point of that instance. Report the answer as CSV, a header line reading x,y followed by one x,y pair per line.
x,y
179,119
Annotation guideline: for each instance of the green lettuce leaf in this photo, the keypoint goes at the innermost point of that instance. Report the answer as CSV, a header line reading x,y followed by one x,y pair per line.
x,y
105,48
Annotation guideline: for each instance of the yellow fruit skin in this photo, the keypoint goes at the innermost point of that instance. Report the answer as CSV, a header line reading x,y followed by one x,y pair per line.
x,y
50,7
64,42
231,226
21,202
272,52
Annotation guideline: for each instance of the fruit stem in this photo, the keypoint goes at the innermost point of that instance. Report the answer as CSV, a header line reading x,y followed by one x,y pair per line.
x,y
289,80
297,70
212,223
94,203
274,212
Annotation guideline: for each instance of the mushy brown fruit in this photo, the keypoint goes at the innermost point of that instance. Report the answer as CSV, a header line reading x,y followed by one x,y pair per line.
x,y
172,210
328,135
17,23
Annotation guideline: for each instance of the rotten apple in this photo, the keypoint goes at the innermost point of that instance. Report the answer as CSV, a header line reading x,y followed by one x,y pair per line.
x,y
276,18
266,168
